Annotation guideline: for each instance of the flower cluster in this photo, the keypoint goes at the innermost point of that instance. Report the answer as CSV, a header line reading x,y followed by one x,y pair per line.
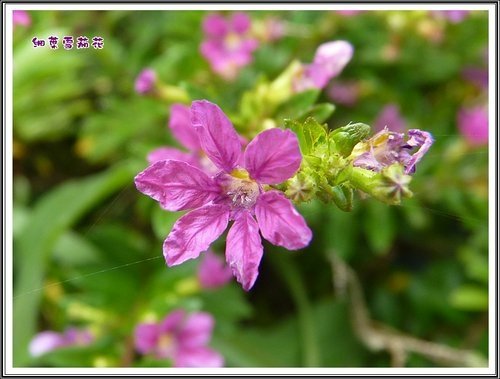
x,y
228,44
180,337
238,192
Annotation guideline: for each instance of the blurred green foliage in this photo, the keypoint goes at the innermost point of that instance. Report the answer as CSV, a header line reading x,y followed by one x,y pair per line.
x,y
87,245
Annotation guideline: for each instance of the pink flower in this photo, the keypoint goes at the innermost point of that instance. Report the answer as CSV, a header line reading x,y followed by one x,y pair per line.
x,y
181,338
329,60
235,193
48,340
390,117
473,124
145,81
21,18
212,272
349,13
454,16
228,45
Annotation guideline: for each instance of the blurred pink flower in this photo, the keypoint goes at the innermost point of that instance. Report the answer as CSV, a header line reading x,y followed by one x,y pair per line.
x,y
48,340
228,44
21,18
454,16
348,13
213,272
180,337
390,117
329,61
145,82
473,124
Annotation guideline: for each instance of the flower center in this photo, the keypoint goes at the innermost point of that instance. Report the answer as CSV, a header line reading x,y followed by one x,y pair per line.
x,y
166,345
242,190
232,41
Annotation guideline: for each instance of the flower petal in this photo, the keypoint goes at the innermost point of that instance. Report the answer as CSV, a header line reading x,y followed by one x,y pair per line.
x,y
177,185
333,56
213,271
182,129
244,250
198,357
196,331
44,342
421,139
273,156
280,223
172,321
146,337
194,232
215,25
217,136
240,22
164,153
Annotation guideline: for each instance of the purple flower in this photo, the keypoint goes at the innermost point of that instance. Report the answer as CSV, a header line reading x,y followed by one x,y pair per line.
x,y
454,16
180,337
228,45
329,60
386,148
473,124
21,18
48,340
390,117
145,81
236,193
212,272
477,76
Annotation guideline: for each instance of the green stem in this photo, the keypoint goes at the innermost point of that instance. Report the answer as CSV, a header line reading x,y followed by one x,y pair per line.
x,y
291,276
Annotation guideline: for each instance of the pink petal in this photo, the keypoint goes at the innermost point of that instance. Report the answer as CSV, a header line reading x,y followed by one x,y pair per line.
x,y
194,232
244,250
180,124
333,56
173,320
177,185
146,337
196,331
198,357
215,25
240,22
280,223
213,271
164,153
217,136
273,156
44,342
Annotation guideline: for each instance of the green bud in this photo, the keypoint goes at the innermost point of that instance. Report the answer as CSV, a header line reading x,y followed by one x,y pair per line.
x,y
342,197
348,136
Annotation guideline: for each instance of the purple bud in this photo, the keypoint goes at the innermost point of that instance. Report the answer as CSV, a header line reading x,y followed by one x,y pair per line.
x,y
145,81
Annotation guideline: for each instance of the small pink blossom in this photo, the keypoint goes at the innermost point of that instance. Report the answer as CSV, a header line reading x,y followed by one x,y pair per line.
x,y
329,61
181,338
213,272
236,193
146,81
391,118
473,124
48,340
454,16
21,18
228,44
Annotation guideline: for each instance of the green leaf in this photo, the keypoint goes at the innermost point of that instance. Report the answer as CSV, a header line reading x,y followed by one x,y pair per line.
x,y
309,133
297,104
342,196
73,250
470,297
320,112
53,214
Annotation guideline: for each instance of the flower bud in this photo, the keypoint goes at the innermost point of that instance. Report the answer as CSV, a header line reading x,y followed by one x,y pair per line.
x,y
348,136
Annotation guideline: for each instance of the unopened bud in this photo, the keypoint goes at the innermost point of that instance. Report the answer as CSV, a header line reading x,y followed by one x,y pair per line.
x,y
348,136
